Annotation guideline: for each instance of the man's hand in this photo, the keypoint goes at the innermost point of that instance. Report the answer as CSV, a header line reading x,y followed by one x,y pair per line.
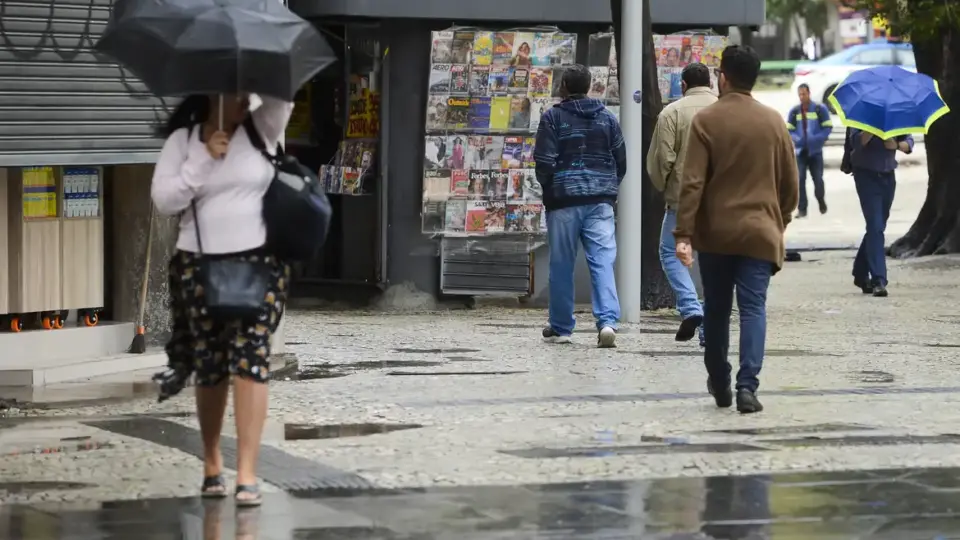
x,y
890,144
904,147
865,138
685,252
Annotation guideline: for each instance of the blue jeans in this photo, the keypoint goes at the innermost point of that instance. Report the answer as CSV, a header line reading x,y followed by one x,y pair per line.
x,y
593,225
813,163
722,274
688,304
876,191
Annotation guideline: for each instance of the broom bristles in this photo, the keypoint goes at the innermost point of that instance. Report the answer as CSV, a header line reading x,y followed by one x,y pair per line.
x,y
139,343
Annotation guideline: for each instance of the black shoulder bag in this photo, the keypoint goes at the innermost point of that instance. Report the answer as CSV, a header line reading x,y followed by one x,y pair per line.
x,y
296,210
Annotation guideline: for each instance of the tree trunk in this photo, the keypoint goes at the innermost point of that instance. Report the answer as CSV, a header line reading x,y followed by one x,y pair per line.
x,y
936,229
656,290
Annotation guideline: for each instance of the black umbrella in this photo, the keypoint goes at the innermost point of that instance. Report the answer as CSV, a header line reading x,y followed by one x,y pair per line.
x,y
182,47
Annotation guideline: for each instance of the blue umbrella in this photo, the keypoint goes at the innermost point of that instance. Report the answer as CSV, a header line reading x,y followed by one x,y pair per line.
x,y
889,101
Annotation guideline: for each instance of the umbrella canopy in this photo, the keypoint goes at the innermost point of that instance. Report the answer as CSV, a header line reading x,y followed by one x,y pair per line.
x,y
889,101
182,47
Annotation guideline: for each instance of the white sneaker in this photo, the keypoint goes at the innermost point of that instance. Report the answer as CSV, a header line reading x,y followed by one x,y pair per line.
x,y
551,336
607,338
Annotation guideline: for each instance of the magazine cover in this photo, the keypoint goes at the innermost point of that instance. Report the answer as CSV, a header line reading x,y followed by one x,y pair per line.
x,y
436,112
496,216
538,106
477,151
442,51
613,86
518,83
529,144
520,113
479,113
459,79
524,217
459,183
480,81
440,79
502,47
325,176
483,48
433,216
499,80
557,79
494,155
478,183
670,51
351,180
565,49
522,49
436,152
691,50
712,50
463,46
612,59
458,112
476,216
458,151
436,184
663,82
541,82
515,188
598,84
543,49
532,191
455,215
499,183
671,77
500,107
512,152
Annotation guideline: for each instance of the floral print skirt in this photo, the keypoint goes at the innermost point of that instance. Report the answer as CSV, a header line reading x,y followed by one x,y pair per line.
x,y
216,349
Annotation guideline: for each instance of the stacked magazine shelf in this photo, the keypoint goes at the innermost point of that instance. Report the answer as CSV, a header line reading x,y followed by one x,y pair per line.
x,y
676,51
487,91
602,60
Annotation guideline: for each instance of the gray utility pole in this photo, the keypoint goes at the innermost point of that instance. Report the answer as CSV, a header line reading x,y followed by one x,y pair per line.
x,y
630,205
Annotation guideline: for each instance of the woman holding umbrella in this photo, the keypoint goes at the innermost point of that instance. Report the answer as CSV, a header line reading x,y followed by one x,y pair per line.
x,y
882,107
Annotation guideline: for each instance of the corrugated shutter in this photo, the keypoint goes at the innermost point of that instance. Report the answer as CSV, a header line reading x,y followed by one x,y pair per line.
x,y
59,102
485,267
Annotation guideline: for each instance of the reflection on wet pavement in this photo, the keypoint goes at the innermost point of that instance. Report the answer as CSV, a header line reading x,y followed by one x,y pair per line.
x,y
299,432
892,504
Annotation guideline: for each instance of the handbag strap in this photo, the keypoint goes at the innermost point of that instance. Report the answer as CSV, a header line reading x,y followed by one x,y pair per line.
x,y
196,226
257,141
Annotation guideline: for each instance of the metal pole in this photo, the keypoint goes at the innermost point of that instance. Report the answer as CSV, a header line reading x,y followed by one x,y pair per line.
x,y
630,205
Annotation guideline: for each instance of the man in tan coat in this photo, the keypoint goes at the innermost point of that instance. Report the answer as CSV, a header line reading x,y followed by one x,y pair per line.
x,y
738,191
668,150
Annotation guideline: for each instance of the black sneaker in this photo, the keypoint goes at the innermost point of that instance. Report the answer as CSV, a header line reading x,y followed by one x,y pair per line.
x,y
688,328
723,399
551,336
801,214
607,338
879,291
823,207
865,287
747,402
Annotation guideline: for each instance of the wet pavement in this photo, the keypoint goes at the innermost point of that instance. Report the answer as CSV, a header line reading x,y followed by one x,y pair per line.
x,y
901,504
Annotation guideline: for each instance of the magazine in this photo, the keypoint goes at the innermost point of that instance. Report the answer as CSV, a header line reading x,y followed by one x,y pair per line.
x,y
476,216
522,49
565,49
532,191
538,106
477,151
478,183
436,152
520,113
458,151
515,188
543,49
479,113
500,107
670,51
613,86
440,79
669,79
433,216
499,80
691,50
502,47
612,60
350,184
459,79
442,51
455,215
598,84
519,81
480,81
494,156
436,184
458,112
499,183
712,50
512,152
496,217
462,46
529,144
524,217
541,82
557,79
483,48
436,113
459,183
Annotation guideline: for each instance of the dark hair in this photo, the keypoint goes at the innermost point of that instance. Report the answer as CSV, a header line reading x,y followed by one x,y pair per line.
x,y
696,75
803,86
191,111
576,79
740,64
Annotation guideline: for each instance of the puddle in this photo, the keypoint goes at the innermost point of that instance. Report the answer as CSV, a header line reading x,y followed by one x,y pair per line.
x,y
864,440
943,345
450,373
436,351
691,353
302,432
607,451
335,371
311,374
40,486
467,359
874,377
296,343
784,430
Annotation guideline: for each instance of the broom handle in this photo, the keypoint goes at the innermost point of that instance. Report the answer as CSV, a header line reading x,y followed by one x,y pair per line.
x,y
146,270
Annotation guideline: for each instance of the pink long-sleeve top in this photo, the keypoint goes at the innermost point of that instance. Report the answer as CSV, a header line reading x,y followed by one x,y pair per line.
x,y
228,192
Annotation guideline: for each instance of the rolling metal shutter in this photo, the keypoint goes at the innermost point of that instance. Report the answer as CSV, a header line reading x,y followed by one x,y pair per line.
x,y
60,103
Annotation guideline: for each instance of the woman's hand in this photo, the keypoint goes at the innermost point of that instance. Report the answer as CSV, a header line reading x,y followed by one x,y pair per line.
x,y
217,144
890,144
904,147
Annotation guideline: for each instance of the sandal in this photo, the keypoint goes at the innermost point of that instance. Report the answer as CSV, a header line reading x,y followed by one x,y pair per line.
x,y
213,487
251,489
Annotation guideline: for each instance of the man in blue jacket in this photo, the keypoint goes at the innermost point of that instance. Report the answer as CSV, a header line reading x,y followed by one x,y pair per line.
x,y
810,126
580,161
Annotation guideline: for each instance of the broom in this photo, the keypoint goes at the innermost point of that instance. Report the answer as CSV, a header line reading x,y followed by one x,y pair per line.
x,y
139,343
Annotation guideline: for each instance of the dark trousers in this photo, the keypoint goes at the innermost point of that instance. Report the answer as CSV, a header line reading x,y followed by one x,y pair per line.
x,y
814,164
876,191
722,275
